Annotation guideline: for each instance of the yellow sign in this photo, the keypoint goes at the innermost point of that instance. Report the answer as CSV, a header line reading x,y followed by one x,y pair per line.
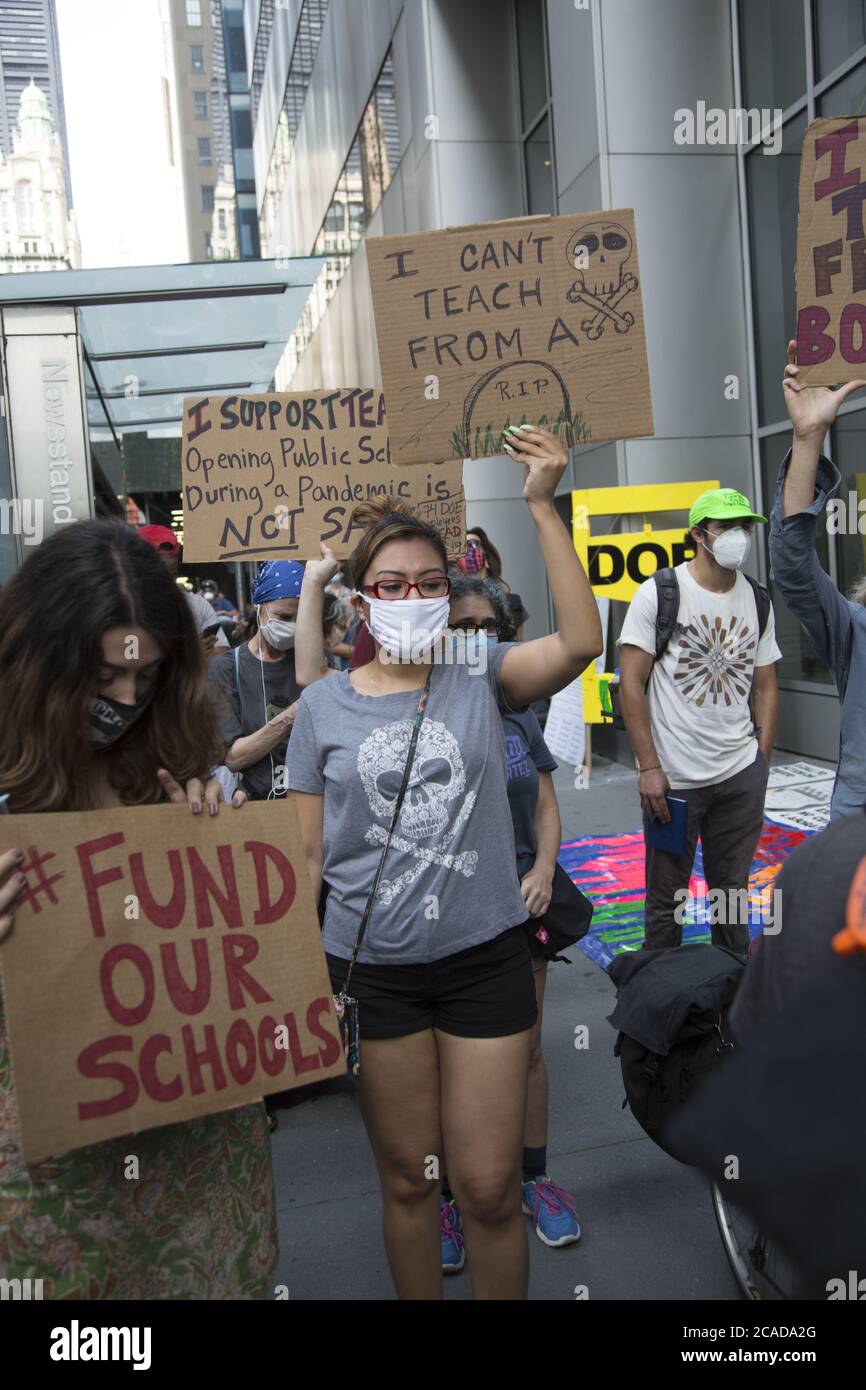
x,y
617,565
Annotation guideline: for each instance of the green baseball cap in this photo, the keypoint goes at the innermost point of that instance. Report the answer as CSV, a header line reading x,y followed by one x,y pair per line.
x,y
722,504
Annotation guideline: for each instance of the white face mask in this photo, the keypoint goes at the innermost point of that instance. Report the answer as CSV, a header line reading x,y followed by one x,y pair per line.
x,y
731,548
278,634
406,627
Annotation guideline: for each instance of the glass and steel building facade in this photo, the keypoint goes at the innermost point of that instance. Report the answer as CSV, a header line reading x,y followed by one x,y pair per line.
x,y
379,116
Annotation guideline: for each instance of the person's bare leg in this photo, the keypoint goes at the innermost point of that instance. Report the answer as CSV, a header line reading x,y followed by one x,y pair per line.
x,y
400,1105
537,1089
483,1114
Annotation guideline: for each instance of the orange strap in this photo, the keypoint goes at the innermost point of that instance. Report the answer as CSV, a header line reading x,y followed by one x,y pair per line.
x,y
853,935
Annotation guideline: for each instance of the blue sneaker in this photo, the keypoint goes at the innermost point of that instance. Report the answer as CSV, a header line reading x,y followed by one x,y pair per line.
x,y
552,1211
450,1229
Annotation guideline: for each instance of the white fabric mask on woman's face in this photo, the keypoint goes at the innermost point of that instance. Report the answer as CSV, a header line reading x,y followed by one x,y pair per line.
x,y
731,548
278,633
406,627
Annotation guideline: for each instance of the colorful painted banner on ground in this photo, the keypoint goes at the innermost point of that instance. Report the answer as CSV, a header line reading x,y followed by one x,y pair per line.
x,y
609,869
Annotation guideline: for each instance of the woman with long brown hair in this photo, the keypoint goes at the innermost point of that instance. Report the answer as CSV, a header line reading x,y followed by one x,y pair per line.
x,y
103,704
412,747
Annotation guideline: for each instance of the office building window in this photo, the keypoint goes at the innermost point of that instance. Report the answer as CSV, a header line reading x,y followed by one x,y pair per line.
x,y
840,29
776,73
538,158
200,105
536,108
25,207
532,59
204,154
845,96
193,13
208,247
311,21
207,197
367,174
772,53
772,185
196,57
368,171
260,52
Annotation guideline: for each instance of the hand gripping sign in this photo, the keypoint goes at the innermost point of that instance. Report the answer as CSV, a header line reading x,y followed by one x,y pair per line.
x,y
162,966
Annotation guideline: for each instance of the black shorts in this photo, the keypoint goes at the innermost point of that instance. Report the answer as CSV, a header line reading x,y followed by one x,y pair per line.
x,y
485,992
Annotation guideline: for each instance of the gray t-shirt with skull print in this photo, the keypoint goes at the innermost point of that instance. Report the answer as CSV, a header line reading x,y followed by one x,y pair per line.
x,y
450,880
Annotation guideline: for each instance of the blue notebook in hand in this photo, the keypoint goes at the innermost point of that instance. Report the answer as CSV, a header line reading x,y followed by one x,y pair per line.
x,y
671,837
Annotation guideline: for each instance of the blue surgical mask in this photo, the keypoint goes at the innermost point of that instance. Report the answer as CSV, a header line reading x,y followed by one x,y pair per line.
x,y
462,637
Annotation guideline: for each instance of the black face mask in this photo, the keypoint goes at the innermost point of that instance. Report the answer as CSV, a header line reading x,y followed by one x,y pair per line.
x,y
108,719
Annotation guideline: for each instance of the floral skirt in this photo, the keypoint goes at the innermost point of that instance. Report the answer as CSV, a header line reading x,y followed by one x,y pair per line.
x,y
192,1218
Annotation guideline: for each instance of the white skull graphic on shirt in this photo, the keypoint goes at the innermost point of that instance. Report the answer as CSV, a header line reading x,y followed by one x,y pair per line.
x,y
438,775
438,778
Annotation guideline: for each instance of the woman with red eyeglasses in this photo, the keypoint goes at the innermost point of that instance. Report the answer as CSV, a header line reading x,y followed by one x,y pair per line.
x,y
442,972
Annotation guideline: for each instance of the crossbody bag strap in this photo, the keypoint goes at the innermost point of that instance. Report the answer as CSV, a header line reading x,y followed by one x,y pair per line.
x,y
371,897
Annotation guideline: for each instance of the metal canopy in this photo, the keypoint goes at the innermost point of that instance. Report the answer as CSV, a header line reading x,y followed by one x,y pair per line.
x,y
153,334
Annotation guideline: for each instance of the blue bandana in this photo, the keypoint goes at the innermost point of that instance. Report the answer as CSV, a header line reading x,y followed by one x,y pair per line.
x,y
277,579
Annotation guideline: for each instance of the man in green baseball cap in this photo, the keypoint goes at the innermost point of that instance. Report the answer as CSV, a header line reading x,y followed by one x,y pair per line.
x,y
722,504
700,701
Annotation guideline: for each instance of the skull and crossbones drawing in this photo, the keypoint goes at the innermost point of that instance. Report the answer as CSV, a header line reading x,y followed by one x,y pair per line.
x,y
599,251
437,779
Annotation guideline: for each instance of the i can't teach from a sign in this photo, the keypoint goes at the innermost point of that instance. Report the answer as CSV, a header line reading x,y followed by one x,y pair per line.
x,y
536,320
272,476
831,252
163,966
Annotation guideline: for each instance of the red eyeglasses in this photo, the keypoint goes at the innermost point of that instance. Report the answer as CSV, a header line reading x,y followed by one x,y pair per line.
x,y
437,586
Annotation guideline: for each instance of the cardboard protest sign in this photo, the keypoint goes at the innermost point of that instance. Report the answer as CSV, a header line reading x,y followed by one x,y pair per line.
x,y
831,252
270,476
162,966
538,319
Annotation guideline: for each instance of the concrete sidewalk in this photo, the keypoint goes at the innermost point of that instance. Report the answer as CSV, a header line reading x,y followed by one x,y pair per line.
x,y
648,1225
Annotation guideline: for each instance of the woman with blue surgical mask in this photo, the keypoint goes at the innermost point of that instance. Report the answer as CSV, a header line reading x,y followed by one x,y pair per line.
x,y
407,755
255,685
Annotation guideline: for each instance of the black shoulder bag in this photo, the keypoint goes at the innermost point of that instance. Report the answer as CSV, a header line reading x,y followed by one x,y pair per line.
x,y
347,1007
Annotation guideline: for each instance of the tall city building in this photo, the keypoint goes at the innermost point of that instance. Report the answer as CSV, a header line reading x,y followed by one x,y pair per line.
x,y
208,109
386,116
30,52
37,226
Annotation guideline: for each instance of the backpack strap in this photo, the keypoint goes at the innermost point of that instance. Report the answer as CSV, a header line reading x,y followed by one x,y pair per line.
x,y
235,671
762,603
668,590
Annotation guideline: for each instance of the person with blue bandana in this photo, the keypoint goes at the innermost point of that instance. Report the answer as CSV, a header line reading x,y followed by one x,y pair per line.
x,y
256,688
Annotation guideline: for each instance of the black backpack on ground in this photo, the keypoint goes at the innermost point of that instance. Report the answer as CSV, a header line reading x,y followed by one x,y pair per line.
x,y
671,1015
668,587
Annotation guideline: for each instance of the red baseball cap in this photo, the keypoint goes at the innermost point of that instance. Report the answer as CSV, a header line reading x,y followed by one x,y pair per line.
x,y
158,536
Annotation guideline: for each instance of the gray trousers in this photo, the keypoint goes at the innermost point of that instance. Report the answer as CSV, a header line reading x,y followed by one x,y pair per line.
x,y
727,819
